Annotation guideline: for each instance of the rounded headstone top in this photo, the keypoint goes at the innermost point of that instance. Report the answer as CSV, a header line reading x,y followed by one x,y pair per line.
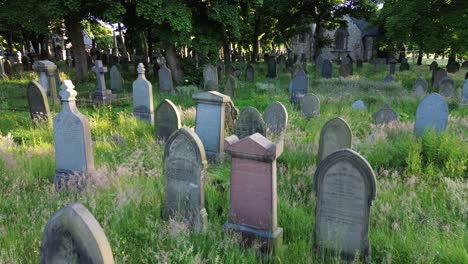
x,y
141,68
68,92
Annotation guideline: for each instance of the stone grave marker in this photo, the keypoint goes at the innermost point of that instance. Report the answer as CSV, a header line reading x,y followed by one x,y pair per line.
x,y
359,104
404,66
385,116
38,103
310,106
143,96
335,134
432,113
8,69
299,86
46,71
437,75
230,70
465,64
230,119
72,141
102,94
319,63
464,95
250,122
165,80
345,188
345,70
434,65
220,69
211,86
58,82
420,87
167,120
388,79
231,86
327,69
237,73
249,73
210,73
73,235
185,171
276,120
26,61
115,79
209,122
447,87
253,196
272,71
453,67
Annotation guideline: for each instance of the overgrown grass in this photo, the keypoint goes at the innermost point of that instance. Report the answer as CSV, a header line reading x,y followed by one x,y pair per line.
x,y
419,216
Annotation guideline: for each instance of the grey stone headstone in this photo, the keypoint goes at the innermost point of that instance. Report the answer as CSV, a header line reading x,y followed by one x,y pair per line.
x,y
26,61
310,106
432,113
335,134
72,235
437,75
465,65
327,69
420,87
345,188
237,73
276,119
231,86
211,86
434,65
250,122
116,79
165,80
385,116
447,87
249,73
73,145
166,120
388,79
38,103
185,172
404,66
345,70
465,91
210,73
299,86
143,96
272,71
359,104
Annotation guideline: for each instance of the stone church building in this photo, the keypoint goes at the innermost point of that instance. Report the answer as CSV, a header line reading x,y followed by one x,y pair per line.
x,y
357,39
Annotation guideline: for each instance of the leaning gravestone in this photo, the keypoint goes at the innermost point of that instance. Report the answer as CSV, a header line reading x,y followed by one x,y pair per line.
x,y
167,120
210,74
250,122
299,86
231,86
272,73
276,119
464,96
253,197
185,172
437,75
310,106
434,65
345,188
345,70
165,80
143,96
38,103
102,94
447,87
335,135
116,79
385,116
73,144
327,69
72,235
432,113
249,73
420,87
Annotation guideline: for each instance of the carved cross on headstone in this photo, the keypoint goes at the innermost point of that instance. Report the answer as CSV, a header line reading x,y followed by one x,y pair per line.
x,y
99,70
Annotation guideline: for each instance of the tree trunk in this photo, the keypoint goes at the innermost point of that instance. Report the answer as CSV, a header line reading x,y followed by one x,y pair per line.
x,y
75,36
420,55
173,63
318,29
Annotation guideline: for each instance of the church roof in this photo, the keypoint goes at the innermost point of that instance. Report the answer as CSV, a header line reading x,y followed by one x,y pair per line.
x,y
366,28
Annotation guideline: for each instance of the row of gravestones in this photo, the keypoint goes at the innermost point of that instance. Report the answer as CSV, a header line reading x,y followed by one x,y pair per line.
x,y
211,77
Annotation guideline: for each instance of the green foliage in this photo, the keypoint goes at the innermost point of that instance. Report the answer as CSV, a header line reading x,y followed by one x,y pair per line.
x,y
101,34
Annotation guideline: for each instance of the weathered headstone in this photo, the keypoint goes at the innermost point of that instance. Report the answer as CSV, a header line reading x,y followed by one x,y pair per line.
x,y
211,86
185,172
272,71
434,65
432,113
38,103
327,69
345,188
165,80
420,87
40,67
385,116
359,104
249,73
72,140
276,120
231,86
73,235
447,87
102,94
143,96
437,75
299,86
453,67
253,196
464,95
116,79
465,64
345,70
310,106
210,74
250,122
167,120
209,122
404,66
335,134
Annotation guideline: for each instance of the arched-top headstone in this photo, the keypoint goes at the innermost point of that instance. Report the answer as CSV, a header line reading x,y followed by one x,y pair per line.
x,y
72,235
447,87
434,65
143,96
185,171
250,122
115,79
272,71
432,113
231,86
310,106
385,116
345,188
404,66
420,87
38,103
453,67
249,73
210,73
336,134
165,80
327,69
299,86
465,65
276,119
437,75
166,120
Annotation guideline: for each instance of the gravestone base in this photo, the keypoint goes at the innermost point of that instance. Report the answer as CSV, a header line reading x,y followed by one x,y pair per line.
x,y
70,180
102,96
199,224
145,116
270,242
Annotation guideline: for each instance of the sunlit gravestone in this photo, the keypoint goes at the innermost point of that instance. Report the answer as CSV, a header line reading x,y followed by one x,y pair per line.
x,y
143,96
335,135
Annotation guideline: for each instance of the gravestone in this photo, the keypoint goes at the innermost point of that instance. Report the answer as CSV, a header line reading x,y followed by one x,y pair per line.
x,y
115,79
359,104
250,122
102,94
404,66
253,197
230,119
385,116
72,140
73,235
143,96
327,69
432,113
272,73
420,87
345,188
310,106
464,95
38,103
447,87
209,122
167,120
393,66
276,120
299,86
46,71
319,63
185,171
210,74
26,62
345,70
211,86
465,64
220,69
165,80
453,67
434,65
237,73
249,73
437,75
231,86
229,70
335,135
8,69
388,79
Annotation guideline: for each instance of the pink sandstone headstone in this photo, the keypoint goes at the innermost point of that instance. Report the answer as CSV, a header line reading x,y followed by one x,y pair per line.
x,y
253,199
